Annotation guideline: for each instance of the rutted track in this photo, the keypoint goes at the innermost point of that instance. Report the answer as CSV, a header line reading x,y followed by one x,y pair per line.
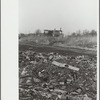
x,y
61,50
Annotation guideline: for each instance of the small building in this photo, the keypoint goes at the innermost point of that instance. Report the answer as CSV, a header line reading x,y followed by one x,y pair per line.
x,y
53,33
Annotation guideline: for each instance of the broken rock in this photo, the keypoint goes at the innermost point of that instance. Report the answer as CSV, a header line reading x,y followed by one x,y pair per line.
x,y
36,80
86,97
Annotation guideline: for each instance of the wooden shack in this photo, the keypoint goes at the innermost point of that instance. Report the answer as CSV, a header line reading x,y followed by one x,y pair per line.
x,y
53,33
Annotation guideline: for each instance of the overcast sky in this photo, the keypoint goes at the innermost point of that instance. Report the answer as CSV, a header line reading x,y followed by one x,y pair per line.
x,y
70,15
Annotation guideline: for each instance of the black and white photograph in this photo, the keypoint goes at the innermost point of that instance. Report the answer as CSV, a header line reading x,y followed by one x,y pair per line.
x,y
57,49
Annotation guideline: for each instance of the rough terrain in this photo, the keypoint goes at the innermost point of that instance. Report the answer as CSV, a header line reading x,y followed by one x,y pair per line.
x,y
41,79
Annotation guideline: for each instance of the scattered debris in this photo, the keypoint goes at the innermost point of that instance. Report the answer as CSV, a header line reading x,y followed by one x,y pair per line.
x,y
65,65
73,68
58,64
36,80
86,97
51,76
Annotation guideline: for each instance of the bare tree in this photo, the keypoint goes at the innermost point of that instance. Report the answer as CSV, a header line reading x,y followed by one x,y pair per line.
x,y
38,31
93,32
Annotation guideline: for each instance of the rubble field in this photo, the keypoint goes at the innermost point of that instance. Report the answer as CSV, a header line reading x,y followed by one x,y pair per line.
x,y
53,76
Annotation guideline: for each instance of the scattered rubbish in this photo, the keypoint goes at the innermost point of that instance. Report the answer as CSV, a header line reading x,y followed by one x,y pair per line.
x,y
62,83
64,65
86,97
52,76
36,80
58,64
73,68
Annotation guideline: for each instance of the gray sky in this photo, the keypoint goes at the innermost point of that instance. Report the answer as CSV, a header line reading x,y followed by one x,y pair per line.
x,y
70,15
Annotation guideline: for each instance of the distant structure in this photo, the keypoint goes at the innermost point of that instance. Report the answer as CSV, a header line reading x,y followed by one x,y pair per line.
x,y
53,33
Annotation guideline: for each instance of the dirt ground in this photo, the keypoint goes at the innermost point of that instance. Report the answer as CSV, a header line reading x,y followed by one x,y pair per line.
x,y
40,79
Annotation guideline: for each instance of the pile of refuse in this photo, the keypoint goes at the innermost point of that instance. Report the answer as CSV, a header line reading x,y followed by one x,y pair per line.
x,y
51,76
